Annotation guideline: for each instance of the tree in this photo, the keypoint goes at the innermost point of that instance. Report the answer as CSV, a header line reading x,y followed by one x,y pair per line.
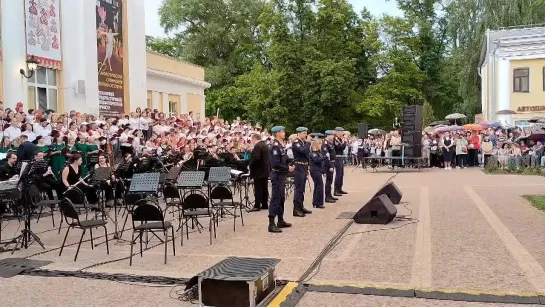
x,y
166,46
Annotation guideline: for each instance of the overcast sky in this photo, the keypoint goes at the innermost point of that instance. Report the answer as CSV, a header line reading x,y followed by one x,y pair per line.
x,y
376,7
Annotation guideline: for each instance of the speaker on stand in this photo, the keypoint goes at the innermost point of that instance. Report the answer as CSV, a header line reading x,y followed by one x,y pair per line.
x,y
412,131
362,131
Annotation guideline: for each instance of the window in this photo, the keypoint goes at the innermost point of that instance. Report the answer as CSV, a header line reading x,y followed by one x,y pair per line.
x,y
172,108
150,101
521,80
42,89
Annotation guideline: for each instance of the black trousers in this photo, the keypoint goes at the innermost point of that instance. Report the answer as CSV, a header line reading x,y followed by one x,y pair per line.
x,y
278,194
261,192
473,157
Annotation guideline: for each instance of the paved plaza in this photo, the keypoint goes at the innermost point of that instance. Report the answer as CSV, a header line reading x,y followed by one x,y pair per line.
x,y
471,233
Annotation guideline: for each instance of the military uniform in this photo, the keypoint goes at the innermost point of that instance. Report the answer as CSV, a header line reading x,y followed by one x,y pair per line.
x,y
279,170
340,145
301,151
317,169
328,151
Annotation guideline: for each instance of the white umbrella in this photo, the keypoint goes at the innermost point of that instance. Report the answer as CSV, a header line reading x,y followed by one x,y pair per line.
x,y
376,131
455,117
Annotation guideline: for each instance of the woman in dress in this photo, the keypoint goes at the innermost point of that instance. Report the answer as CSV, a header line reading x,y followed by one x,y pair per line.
x,y
448,145
5,146
58,160
81,147
72,177
41,147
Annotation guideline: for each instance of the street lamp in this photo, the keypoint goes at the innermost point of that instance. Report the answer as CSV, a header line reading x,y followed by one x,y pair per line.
x,y
31,65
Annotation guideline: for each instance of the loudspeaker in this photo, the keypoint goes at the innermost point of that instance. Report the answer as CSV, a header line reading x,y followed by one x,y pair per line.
x,y
379,210
393,193
414,151
362,131
413,117
412,137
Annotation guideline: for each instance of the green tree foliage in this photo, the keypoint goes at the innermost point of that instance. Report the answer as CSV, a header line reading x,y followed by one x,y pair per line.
x,y
320,64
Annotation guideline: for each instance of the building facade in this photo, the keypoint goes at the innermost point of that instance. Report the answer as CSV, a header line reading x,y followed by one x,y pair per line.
x,y
513,74
92,58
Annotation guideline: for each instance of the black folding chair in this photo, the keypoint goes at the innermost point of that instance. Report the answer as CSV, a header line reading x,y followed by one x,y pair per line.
x,y
69,211
151,218
194,206
173,199
222,201
79,202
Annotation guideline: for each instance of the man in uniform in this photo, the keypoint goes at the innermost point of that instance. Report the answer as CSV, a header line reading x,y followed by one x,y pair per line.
x,y
301,151
328,150
279,170
340,145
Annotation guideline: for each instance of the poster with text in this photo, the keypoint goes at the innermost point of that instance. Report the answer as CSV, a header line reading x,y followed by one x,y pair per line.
x,y
109,16
43,33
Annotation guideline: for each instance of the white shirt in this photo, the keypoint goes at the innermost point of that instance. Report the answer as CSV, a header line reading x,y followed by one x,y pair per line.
x,y
12,132
30,134
144,123
134,123
44,132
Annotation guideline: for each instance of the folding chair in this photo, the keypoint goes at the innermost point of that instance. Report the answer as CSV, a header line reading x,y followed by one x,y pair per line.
x,y
194,206
172,199
79,202
69,211
222,201
151,218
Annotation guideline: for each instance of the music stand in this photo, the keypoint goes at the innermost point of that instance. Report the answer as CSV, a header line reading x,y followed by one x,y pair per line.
x,y
142,184
191,180
145,183
219,175
173,174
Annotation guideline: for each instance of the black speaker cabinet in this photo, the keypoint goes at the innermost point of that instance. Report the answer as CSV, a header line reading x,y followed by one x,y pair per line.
x,y
412,137
362,131
414,151
393,193
379,210
238,282
413,117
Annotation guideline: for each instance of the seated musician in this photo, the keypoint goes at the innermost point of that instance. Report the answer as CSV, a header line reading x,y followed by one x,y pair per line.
x,y
108,185
9,170
71,177
45,177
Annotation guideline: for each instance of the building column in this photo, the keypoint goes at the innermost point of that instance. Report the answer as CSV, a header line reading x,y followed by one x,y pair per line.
x,y
14,53
136,47
503,90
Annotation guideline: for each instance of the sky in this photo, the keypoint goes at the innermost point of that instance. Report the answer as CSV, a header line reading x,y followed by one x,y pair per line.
x,y
376,7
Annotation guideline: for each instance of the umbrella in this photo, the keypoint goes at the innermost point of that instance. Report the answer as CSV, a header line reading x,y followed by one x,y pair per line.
x,y
376,131
455,128
541,121
505,112
473,127
439,122
441,129
521,138
455,116
487,124
536,119
429,129
537,135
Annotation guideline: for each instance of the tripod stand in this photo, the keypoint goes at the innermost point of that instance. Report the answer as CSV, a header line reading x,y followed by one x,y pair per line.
x,y
30,195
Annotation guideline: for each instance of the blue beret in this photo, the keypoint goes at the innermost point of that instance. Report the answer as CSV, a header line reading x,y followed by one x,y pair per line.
x,y
339,129
276,129
317,135
301,129
328,132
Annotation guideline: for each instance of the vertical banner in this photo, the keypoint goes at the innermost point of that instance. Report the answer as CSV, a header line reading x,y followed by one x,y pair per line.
x,y
109,22
43,33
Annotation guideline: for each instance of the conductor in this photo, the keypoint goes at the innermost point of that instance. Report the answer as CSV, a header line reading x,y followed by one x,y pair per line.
x,y
259,171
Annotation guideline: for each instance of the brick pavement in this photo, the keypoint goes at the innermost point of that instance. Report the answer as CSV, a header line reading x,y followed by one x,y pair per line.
x,y
475,232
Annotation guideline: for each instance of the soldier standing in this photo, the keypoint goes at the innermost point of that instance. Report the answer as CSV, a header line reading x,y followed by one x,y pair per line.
x,y
301,151
328,150
279,170
340,145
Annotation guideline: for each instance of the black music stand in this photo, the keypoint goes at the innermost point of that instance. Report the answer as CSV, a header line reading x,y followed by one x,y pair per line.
x,y
28,177
219,175
173,174
144,184
191,180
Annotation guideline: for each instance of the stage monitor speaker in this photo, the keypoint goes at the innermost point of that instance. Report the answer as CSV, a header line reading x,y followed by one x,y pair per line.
x,y
379,210
362,131
393,193
413,117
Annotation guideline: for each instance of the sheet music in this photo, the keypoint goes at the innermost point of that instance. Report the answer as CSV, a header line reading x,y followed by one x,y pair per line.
x,y
23,166
235,172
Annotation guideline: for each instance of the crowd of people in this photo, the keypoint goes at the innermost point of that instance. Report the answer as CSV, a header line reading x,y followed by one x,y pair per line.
x,y
494,146
75,143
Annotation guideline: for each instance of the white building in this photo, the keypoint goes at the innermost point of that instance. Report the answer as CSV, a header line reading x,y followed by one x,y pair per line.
x,y
92,58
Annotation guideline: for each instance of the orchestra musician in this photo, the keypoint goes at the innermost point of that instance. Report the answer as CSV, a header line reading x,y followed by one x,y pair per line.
x,y
46,177
26,149
71,177
9,170
110,184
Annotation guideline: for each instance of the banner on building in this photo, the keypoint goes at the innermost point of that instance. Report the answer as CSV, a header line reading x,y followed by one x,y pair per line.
x,y
43,33
109,16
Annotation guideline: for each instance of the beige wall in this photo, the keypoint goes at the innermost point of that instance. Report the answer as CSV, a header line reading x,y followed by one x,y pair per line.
x,y
194,104
173,66
536,96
